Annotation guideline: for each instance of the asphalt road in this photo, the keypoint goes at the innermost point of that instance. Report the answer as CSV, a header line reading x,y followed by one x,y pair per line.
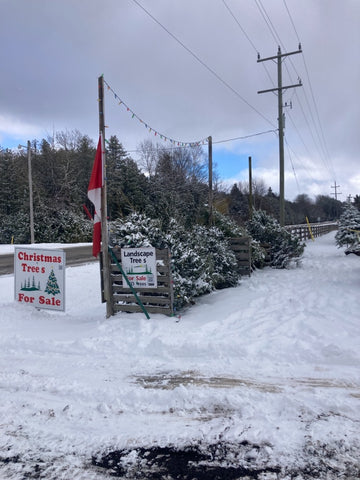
x,y
74,256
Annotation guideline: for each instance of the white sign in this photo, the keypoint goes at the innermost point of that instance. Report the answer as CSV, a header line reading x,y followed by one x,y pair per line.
x,y
139,264
40,277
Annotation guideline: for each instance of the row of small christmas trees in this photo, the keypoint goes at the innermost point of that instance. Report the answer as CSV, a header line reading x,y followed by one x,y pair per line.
x,y
30,286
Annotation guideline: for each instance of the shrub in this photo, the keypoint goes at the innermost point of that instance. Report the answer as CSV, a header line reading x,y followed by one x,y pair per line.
x,y
283,246
349,225
201,259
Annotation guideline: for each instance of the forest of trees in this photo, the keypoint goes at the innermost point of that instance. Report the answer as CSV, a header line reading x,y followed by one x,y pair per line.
x,y
164,184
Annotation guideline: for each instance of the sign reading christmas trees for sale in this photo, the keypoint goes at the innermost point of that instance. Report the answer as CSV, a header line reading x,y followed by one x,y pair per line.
x,y
139,264
40,277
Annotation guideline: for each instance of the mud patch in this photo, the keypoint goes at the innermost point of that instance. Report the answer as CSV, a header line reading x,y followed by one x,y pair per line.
x,y
223,461
170,381
167,381
216,462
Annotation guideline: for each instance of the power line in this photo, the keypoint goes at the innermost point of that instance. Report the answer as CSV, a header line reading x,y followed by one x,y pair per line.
x,y
300,163
268,22
312,95
239,25
293,168
244,137
318,119
209,69
247,37
299,134
291,20
323,151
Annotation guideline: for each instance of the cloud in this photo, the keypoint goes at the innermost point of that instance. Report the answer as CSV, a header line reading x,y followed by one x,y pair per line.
x,y
16,128
55,51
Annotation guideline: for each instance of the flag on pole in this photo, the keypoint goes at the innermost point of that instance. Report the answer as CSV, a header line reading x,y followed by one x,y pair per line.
x,y
94,194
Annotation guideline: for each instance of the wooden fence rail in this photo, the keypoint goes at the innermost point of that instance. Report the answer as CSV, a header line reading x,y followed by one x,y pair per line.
x,y
303,232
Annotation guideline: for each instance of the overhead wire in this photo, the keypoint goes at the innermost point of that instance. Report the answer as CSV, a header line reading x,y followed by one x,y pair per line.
x,y
248,38
240,26
321,136
293,168
292,21
299,161
205,65
268,22
320,144
277,39
244,137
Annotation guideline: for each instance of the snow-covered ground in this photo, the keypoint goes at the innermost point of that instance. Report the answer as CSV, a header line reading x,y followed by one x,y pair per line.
x,y
269,369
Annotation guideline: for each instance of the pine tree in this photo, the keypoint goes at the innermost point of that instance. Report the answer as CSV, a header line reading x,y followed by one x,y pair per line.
x,y
349,226
200,257
283,246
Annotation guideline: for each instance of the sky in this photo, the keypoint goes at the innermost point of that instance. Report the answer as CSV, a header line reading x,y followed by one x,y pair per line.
x,y
188,69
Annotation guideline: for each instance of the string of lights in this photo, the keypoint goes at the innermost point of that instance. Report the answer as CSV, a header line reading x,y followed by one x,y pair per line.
x,y
150,128
177,143
244,137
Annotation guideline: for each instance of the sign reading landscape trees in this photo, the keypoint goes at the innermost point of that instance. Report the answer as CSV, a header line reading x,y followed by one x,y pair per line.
x,y
40,277
139,265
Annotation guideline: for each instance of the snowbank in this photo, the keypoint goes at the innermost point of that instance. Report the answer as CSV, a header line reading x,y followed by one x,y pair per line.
x,y
272,363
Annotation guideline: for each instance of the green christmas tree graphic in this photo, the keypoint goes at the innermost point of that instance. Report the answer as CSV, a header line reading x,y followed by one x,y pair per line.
x,y
52,287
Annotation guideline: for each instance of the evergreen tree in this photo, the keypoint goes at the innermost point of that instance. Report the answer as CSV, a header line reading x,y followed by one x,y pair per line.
x,y
283,247
238,204
357,202
126,185
329,208
200,257
349,227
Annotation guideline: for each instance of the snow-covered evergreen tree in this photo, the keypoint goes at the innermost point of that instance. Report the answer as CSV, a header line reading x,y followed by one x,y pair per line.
x,y
201,259
349,226
283,246
232,229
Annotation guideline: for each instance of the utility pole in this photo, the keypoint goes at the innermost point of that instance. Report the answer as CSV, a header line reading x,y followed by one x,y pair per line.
x,y
250,191
32,236
104,227
210,181
31,201
336,193
279,90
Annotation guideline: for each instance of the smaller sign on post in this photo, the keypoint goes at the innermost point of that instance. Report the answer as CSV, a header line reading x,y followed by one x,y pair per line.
x,y
139,265
40,277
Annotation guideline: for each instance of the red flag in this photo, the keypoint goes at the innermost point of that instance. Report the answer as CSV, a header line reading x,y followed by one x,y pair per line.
x,y
94,195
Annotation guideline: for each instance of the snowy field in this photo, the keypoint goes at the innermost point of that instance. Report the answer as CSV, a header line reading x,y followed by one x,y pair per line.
x,y
258,381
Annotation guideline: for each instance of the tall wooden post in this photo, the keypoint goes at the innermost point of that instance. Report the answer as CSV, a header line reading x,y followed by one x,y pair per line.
x,y
210,181
250,191
281,141
32,236
104,225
